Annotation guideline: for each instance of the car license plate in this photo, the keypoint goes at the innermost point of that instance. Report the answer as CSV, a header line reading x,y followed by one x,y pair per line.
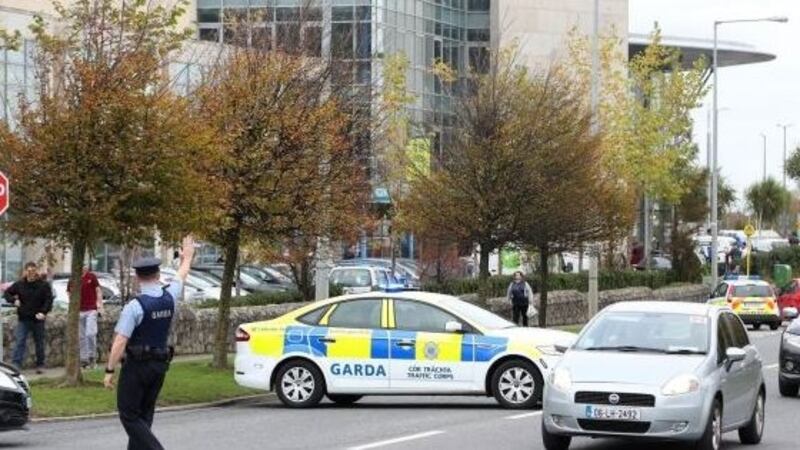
x,y
613,413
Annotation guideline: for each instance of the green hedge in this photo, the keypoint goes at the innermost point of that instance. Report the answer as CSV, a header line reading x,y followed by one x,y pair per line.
x,y
762,263
291,296
496,286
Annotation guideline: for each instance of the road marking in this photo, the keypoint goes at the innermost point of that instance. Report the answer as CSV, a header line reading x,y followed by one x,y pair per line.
x,y
523,416
764,335
771,366
397,440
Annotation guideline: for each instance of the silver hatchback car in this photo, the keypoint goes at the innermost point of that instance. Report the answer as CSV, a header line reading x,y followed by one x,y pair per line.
x,y
657,370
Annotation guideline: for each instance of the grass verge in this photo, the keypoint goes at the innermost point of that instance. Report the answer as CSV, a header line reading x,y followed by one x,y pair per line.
x,y
187,382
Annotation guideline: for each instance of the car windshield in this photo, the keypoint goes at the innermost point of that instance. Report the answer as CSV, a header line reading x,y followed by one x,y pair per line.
x,y
478,316
351,277
752,290
647,332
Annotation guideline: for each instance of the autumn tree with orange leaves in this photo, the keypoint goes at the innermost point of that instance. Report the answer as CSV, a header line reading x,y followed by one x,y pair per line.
x,y
102,150
286,160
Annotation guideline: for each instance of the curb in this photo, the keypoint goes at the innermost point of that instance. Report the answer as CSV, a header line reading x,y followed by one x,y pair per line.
x,y
162,409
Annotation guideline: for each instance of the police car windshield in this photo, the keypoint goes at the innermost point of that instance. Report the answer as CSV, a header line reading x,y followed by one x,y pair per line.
x,y
478,316
649,332
752,290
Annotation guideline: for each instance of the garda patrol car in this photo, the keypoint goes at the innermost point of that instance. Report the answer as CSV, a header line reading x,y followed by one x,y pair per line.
x,y
395,343
751,298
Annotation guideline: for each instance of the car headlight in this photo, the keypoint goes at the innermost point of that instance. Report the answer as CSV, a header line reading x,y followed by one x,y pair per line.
x,y
561,379
7,383
682,384
548,350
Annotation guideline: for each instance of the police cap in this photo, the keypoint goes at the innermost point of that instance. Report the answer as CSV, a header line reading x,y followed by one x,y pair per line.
x,y
146,266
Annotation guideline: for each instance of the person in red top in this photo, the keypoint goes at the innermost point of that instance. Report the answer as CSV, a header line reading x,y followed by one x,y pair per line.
x,y
91,306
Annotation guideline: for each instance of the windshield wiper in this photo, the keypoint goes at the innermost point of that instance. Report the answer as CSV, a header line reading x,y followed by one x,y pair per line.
x,y
626,348
684,351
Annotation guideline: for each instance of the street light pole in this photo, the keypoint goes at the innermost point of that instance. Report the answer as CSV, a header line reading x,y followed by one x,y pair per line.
x,y
593,298
764,138
785,218
714,174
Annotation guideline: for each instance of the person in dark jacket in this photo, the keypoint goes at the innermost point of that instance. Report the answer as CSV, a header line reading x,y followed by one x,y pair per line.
x,y
520,294
33,297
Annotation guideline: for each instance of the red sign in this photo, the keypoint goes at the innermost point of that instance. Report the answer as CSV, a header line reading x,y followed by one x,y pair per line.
x,y
4,202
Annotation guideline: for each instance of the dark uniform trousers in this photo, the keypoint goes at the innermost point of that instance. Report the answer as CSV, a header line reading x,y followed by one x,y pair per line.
x,y
519,313
140,382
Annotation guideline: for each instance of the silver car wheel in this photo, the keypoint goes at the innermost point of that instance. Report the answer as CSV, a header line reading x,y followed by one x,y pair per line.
x,y
516,385
716,426
298,384
759,415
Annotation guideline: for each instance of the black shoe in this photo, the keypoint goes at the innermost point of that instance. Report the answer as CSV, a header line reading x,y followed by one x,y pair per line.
x,y
39,370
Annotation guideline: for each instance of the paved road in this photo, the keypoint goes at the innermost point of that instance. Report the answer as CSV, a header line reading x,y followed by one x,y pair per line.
x,y
378,422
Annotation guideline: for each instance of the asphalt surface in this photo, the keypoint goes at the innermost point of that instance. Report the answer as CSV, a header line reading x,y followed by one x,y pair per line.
x,y
379,422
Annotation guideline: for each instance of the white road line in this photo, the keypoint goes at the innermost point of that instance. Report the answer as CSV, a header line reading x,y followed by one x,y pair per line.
x,y
771,366
523,416
397,440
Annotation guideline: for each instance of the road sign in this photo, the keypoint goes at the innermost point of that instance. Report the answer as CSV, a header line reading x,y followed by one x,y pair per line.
x,y
749,230
4,202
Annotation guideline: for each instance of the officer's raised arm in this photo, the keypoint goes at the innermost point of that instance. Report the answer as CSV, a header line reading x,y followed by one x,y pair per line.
x,y
186,258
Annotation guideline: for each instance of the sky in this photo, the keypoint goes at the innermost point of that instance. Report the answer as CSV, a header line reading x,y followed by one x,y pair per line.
x,y
755,97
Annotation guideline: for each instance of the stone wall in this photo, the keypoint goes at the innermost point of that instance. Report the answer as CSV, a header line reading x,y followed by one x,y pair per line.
x,y
195,328
569,307
193,333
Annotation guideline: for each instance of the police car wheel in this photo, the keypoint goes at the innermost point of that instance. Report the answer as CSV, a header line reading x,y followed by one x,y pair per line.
x,y
300,384
756,326
517,384
344,399
774,326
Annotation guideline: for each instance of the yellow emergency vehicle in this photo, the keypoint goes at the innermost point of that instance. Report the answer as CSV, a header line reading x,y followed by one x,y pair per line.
x,y
409,343
751,298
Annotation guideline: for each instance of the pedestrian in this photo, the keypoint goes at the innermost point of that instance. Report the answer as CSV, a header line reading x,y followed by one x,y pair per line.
x,y
520,294
91,307
141,337
33,297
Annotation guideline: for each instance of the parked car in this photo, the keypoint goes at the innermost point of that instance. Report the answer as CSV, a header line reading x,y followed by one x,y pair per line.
x,y
657,370
790,296
268,275
789,357
360,279
405,272
15,407
246,281
61,296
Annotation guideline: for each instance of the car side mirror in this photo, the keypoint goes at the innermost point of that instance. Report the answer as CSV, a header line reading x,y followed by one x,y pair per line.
x,y
453,327
734,354
790,313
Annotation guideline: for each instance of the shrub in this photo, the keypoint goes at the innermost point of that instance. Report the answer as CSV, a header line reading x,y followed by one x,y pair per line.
x,y
497,286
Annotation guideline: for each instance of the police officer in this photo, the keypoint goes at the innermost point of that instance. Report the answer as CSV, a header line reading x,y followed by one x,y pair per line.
x,y
141,337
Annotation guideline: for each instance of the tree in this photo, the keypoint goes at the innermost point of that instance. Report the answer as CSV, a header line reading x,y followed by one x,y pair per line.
x,y
767,200
793,165
573,200
101,151
286,162
474,193
645,111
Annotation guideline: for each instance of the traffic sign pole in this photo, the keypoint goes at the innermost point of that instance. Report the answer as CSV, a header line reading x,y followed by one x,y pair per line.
x,y
749,231
5,196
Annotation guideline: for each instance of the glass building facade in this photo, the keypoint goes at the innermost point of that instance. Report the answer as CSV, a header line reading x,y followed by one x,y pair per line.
x,y
359,33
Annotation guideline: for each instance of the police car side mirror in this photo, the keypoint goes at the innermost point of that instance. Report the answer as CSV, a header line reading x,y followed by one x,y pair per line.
x,y
453,327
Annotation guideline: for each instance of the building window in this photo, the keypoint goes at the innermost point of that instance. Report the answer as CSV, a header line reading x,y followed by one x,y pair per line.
x,y
209,34
479,5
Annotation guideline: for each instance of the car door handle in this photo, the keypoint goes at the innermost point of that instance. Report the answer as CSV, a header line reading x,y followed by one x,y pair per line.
x,y
405,343
327,340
